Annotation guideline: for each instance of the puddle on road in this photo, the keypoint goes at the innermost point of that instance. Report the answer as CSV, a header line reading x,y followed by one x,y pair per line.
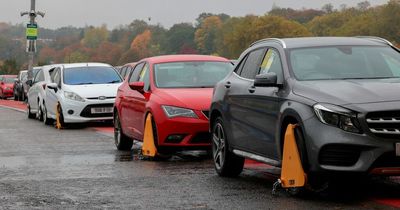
x,y
136,155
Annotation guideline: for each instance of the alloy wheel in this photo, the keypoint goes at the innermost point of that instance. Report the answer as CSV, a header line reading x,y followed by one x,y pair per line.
x,y
218,148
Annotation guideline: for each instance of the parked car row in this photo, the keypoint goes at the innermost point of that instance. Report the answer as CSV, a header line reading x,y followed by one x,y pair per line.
x,y
340,92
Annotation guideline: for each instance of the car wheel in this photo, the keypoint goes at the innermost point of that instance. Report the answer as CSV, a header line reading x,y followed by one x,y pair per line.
x,y
122,142
29,113
39,113
60,118
226,163
46,119
315,182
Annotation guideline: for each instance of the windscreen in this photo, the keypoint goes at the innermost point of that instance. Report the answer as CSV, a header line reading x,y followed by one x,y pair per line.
x,y
345,62
9,80
190,74
91,75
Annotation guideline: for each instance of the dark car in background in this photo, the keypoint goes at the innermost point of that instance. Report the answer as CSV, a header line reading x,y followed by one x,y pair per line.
x,y
342,92
126,69
19,94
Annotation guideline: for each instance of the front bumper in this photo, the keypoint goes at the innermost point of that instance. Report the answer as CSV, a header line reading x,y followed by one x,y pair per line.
x,y
332,149
183,132
79,112
8,93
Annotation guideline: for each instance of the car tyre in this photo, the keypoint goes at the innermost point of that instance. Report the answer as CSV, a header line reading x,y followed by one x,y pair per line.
x,y
46,119
122,142
60,117
29,113
39,113
226,163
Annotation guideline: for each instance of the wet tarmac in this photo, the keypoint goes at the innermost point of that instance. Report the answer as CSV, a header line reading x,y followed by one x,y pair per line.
x,y
79,168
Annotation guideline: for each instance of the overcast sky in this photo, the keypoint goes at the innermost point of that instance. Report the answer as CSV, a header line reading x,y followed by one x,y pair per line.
x,y
61,13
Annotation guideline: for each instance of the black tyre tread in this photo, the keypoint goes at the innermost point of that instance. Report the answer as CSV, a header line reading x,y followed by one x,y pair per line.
x,y
30,114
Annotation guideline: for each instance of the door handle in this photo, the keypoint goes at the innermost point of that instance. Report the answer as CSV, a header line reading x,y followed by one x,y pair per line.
x,y
228,84
252,89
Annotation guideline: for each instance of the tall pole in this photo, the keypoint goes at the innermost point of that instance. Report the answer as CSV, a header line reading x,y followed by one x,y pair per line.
x,y
31,54
31,43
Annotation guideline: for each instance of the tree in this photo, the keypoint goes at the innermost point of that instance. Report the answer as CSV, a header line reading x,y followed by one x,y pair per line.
x,y
94,36
180,36
328,8
363,5
206,34
9,66
141,44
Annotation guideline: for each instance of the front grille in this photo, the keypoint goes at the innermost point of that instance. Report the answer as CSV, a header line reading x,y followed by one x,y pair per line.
x,y
339,155
201,138
384,124
86,112
206,113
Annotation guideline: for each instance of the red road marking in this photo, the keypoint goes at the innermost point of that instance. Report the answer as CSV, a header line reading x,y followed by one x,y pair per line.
x,y
18,105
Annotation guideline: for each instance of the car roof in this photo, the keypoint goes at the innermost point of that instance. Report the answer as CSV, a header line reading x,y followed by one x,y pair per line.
x,y
74,65
302,42
177,58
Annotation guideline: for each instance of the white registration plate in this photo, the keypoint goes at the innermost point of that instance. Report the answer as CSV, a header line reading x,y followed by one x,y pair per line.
x,y
101,110
397,149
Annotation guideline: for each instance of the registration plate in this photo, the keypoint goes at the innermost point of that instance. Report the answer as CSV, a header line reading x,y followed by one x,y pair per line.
x,y
397,149
101,110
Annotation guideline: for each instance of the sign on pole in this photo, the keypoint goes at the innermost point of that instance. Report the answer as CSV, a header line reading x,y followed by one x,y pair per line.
x,y
31,31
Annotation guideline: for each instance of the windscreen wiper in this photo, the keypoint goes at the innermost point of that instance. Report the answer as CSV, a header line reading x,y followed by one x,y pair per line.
x,y
84,83
115,81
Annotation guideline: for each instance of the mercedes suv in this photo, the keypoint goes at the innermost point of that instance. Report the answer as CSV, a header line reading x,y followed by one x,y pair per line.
x,y
341,92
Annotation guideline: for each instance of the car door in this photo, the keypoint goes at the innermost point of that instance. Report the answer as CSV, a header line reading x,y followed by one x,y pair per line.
x,y
51,95
237,85
126,102
34,90
264,106
137,101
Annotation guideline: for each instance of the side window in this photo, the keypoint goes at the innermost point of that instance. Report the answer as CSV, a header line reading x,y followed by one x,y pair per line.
x,y
250,68
57,77
239,68
136,71
272,63
123,72
41,76
145,77
37,77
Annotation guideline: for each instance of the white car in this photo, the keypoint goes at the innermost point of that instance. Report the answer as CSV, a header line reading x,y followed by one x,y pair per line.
x,y
82,92
36,93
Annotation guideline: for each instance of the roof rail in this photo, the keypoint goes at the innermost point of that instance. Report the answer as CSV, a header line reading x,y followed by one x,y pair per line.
x,y
376,38
279,41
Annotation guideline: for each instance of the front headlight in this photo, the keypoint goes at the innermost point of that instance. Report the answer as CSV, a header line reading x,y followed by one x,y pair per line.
x,y
337,116
172,111
73,96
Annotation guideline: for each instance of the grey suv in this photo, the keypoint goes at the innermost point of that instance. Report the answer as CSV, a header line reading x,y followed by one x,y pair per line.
x,y
342,92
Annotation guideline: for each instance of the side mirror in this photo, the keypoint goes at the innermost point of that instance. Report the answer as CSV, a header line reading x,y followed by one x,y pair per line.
x,y
139,86
29,82
52,86
266,80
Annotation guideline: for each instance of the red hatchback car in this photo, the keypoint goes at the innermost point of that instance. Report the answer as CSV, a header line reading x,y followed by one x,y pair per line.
x,y
176,90
7,86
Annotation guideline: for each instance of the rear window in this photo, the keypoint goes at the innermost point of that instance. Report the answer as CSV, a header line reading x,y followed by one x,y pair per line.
x,y
91,75
190,74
